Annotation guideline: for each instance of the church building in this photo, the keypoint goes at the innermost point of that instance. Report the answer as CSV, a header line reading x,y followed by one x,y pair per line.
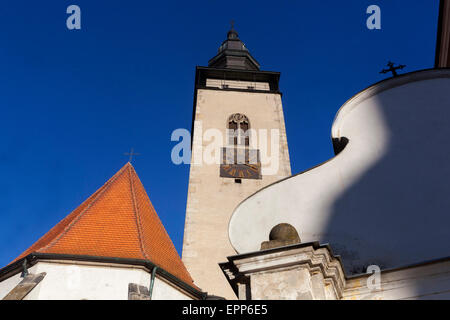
x,y
113,246
369,223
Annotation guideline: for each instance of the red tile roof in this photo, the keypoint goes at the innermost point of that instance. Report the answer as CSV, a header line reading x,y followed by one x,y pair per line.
x,y
118,221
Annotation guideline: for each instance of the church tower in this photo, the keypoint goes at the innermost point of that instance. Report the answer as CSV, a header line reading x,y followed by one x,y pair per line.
x,y
235,98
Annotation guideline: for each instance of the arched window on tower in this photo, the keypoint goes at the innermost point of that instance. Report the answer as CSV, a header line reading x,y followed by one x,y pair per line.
x,y
238,160
238,130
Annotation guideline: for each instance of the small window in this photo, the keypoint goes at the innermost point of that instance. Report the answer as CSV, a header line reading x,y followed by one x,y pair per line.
x,y
237,180
238,130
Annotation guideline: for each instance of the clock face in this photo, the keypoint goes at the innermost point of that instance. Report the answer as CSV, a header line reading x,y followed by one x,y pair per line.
x,y
242,171
240,163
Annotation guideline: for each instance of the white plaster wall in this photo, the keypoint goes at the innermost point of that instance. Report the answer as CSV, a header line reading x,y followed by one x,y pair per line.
x,y
423,282
162,290
92,282
383,200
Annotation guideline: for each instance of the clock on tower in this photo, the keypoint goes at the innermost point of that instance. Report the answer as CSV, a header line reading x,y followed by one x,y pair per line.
x,y
238,161
240,164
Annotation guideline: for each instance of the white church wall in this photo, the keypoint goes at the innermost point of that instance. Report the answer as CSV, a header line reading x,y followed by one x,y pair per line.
x,y
429,281
78,281
75,282
162,290
384,199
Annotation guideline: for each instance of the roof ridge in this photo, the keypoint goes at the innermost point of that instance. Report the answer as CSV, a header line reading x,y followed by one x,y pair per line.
x,y
137,213
170,242
79,216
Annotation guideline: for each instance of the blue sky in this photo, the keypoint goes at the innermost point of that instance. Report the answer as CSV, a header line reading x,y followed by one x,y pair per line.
x,y
73,102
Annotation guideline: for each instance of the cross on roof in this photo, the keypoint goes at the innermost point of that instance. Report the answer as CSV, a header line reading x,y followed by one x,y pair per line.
x,y
392,68
131,154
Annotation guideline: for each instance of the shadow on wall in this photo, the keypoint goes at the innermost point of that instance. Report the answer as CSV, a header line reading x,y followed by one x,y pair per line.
x,y
398,208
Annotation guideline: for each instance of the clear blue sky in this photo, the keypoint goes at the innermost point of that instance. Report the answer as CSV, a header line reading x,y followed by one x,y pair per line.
x,y
73,102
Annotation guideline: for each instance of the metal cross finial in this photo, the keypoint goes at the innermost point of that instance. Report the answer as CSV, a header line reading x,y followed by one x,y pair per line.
x,y
232,24
392,68
131,154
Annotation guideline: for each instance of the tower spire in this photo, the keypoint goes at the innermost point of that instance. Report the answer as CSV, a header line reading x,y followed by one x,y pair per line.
x,y
233,54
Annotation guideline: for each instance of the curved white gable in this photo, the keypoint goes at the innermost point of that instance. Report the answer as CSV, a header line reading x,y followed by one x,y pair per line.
x,y
385,199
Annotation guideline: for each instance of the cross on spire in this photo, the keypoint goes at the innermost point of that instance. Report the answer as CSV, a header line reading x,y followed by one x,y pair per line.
x,y
232,24
392,68
131,154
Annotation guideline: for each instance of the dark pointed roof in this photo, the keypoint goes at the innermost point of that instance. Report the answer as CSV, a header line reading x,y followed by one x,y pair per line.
x,y
233,54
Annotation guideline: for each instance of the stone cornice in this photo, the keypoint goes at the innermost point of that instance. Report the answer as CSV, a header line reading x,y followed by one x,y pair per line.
x,y
316,259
